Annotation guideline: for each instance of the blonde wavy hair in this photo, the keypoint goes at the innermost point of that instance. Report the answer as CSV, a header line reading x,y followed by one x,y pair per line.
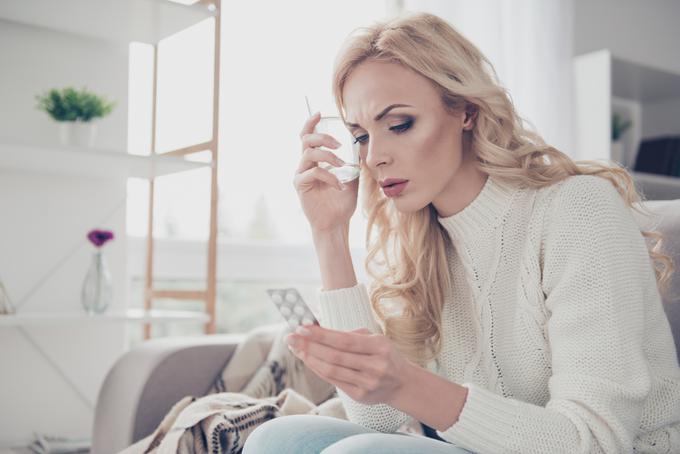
x,y
504,149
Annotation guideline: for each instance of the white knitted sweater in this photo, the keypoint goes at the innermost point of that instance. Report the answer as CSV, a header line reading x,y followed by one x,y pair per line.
x,y
554,323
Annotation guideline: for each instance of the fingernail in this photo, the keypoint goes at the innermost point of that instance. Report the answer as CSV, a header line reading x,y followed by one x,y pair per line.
x,y
343,186
302,331
336,143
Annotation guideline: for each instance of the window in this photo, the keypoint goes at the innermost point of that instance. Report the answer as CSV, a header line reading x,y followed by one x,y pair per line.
x,y
268,66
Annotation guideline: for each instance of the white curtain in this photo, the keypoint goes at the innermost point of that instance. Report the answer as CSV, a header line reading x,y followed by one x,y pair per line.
x,y
529,42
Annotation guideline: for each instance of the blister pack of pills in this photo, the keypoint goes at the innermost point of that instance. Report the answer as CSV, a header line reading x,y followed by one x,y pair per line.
x,y
290,304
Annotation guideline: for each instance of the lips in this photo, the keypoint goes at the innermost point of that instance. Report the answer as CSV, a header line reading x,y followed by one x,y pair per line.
x,y
392,181
392,188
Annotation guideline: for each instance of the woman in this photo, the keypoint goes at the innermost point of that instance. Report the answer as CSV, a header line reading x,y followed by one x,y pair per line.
x,y
525,314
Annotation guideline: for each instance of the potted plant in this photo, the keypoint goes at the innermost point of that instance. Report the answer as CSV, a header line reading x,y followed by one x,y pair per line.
x,y
75,110
619,126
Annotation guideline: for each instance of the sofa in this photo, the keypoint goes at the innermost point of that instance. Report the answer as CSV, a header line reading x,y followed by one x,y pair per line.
x,y
144,383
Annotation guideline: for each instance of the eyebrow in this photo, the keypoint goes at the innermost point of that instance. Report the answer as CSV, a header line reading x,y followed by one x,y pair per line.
x,y
381,114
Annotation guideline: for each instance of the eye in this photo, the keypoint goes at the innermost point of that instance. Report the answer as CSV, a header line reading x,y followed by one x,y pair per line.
x,y
402,127
361,139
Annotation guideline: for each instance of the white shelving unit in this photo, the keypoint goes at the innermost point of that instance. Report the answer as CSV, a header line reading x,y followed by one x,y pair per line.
x,y
606,84
58,353
124,21
79,318
90,162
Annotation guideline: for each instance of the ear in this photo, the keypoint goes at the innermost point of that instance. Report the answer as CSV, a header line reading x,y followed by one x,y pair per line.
x,y
470,116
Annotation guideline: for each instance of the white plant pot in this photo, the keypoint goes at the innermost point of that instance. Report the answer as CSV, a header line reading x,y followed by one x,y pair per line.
x,y
78,133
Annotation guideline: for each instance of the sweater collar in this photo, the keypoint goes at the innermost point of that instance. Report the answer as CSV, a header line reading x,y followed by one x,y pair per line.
x,y
483,214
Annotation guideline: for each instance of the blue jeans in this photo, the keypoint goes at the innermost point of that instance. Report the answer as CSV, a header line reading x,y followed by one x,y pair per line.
x,y
314,434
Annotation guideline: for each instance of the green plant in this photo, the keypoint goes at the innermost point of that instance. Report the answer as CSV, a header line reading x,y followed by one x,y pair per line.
x,y
69,104
619,126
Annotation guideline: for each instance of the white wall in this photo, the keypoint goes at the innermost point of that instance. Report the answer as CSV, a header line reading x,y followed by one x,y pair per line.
x,y
642,31
43,222
35,59
592,109
661,118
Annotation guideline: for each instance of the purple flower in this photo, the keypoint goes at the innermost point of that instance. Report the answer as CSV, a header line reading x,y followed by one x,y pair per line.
x,y
99,237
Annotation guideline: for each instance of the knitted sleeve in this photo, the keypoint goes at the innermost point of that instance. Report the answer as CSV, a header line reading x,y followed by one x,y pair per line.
x,y
596,277
346,310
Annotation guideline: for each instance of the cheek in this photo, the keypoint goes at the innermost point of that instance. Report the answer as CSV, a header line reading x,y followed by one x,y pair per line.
x,y
441,147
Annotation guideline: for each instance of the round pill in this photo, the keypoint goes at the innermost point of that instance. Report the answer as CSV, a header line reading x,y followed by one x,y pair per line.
x,y
285,311
299,310
276,297
290,297
307,321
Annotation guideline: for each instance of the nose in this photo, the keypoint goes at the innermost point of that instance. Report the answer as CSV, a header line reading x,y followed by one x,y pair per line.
x,y
377,155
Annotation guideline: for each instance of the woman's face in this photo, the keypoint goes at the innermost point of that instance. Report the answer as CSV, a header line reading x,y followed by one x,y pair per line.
x,y
405,133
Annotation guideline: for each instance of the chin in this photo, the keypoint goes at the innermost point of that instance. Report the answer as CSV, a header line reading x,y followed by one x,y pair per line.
x,y
407,205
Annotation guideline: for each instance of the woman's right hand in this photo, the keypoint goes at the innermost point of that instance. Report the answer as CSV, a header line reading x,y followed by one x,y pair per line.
x,y
324,202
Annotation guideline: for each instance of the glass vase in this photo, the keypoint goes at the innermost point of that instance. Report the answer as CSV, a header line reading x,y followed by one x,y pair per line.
x,y
97,290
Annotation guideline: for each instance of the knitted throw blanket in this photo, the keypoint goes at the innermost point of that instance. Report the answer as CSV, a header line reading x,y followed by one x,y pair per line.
x,y
248,392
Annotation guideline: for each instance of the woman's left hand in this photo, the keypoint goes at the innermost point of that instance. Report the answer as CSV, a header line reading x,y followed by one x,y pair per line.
x,y
365,366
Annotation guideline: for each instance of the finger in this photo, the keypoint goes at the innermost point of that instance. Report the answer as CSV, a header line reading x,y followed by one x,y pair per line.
x,y
317,139
344,340
359,362
308,127
355,361
348,388
335,372
312,156
311,176
314,364
362,331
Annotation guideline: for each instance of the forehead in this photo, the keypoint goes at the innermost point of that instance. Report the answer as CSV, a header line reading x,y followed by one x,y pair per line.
x,y
373,85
